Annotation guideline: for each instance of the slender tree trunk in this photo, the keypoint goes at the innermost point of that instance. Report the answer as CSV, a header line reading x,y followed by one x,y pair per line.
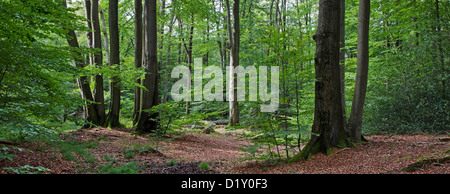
x,y
138,31
147,121
356,115
98,60
113,116
89,35
166,80
328,127
188,50
83,81
105,36
234,36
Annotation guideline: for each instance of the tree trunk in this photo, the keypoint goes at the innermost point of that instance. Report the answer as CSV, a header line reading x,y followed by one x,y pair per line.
x,y
105,36
188,50
234,36
98,61
83,81
89,38
342,56
362,70
113,115
137,55
147,121
328,127
167,76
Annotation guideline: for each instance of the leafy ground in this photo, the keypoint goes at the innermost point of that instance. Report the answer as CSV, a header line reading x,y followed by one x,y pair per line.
x,y
101,150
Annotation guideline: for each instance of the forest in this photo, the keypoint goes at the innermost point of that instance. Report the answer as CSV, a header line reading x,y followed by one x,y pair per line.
x,y
224,86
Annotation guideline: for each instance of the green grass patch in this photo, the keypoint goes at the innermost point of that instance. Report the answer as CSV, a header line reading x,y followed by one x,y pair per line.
x,y
69,148
203,166
129,168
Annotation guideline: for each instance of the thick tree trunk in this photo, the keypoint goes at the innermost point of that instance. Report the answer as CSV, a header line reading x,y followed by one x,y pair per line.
x,y
342,56
362,70
146,122
98,61
138,31
328,127
113,115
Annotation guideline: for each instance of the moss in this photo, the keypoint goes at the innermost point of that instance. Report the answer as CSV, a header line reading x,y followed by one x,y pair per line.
x,y
421,163
329,151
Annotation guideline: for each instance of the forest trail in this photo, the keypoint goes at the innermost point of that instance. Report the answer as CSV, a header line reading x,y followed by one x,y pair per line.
x,y
182,153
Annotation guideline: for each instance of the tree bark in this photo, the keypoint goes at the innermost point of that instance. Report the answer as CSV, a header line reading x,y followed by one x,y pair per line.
x,y
105,35
98,61
89,38
166,80
147,121
234,36
113,115
362,70
83,81
328,127
138,31
188,50
342,56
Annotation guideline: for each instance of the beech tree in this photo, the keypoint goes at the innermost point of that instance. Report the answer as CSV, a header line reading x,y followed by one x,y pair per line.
x,y
99,97
150,97
356,115
138,51
233,35
328,127
114,87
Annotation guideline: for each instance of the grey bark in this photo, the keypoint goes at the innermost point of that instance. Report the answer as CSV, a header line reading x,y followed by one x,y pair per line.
x,y
362,70
98,61
149,98
83,81
234,37
138,31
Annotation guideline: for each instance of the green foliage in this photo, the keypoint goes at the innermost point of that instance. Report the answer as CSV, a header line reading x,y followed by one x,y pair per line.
x,y
172,162
69,148
26,169
129,168
4,154
204,166
138,149
408,79
36,77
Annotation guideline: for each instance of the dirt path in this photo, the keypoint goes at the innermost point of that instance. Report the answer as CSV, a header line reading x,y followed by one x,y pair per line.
x,y
182,154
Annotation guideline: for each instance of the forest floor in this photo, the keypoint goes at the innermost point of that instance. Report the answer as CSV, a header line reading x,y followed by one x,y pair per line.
x,y
97,149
